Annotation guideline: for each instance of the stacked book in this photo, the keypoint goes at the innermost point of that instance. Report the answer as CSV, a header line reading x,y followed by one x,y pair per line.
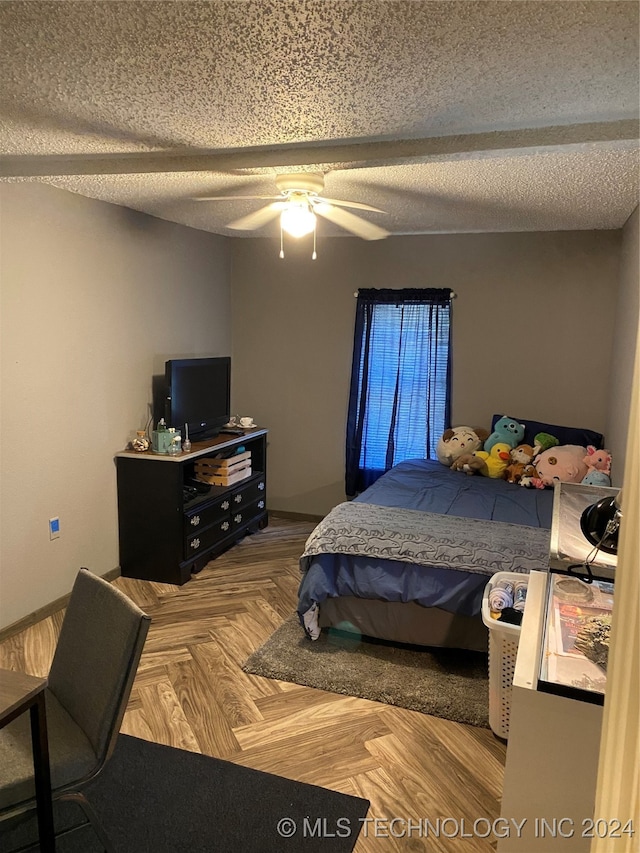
x,y
224,472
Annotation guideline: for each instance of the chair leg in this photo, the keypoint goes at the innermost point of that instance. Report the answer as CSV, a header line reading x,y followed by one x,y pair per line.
x,y
90,819
91,816
16,820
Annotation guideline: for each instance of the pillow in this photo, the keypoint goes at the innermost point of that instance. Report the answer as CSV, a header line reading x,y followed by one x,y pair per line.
x,y
565,435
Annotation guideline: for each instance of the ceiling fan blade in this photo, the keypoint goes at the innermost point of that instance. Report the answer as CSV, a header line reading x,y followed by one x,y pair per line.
x,y
258,217
356,204
235,197
351,222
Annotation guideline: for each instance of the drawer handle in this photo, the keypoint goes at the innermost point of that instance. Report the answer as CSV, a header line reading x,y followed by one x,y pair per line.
x,y
261,485
195,520
195,543
260,504
225,504
237,518
238,499
224,525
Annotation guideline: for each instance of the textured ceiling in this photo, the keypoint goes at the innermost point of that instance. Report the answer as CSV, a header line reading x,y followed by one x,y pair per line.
x,y
453,116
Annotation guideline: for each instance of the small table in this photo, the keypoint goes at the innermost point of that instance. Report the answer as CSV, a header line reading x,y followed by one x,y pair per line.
x,y
19,692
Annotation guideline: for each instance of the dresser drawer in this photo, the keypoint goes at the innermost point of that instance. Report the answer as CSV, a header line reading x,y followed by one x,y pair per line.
x,y
242,515
207,537
206,514
248,493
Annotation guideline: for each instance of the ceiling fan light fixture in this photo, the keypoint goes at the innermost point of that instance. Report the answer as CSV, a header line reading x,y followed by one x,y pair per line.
x,y
298,219
296,207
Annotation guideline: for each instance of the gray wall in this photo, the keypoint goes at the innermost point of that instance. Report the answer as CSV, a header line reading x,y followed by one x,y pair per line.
x,y
94,298
532,331
625,340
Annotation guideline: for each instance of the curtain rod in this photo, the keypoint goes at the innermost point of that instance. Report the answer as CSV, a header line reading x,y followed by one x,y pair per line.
x,y
454,295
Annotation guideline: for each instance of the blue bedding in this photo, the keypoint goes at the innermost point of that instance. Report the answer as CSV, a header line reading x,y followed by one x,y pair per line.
x,y
430,487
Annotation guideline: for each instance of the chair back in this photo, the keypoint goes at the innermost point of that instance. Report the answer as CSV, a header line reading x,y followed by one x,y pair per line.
x,y
96,658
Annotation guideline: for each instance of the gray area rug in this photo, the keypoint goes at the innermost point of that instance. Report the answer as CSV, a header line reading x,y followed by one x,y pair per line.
x,y
447,683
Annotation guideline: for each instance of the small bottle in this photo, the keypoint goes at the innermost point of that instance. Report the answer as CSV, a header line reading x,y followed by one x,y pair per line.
x,y
174,447
140,442
186,444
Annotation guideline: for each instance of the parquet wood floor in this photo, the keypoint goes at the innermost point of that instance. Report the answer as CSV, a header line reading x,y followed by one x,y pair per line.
x,y
191,693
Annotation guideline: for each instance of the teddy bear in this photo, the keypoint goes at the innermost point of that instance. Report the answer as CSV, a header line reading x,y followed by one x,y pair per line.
x,y
506,431
519,464
458,441
469,463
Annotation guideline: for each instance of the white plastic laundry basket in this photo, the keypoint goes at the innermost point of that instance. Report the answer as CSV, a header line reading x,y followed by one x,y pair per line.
x,y
503,649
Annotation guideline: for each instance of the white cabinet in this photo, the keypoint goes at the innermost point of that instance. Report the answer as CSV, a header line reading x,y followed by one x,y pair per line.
x,y
552,756
558,694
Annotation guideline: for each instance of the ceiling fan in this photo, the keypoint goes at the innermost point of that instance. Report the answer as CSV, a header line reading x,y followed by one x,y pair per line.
x,y
297,205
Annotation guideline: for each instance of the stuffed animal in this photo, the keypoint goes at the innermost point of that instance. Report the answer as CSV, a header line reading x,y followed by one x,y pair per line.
x,y
522,453
543,441
597,478
519,463
514,472
564,463
495,462
469,463
505,431
459,440
531,480
598,460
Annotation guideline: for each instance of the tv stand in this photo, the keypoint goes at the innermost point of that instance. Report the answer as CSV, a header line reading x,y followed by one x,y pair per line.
x,y
166,532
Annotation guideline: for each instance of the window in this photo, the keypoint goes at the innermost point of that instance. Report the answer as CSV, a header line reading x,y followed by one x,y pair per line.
x,y
399,403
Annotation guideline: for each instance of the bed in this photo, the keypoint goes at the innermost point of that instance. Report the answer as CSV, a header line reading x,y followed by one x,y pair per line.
x,y
408,559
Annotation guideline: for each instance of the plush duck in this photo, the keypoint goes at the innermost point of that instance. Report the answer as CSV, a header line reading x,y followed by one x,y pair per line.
x,y
495,462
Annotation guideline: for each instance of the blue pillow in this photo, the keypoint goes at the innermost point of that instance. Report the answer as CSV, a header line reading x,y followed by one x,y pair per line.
x,y
565,435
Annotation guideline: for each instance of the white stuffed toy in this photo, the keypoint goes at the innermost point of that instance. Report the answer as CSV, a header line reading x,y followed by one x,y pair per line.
x,y
459,440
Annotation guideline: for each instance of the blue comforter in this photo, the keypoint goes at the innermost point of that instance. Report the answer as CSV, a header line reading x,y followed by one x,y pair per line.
x,y
429,487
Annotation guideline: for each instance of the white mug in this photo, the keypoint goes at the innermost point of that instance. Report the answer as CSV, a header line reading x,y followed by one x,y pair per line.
x,y
246,422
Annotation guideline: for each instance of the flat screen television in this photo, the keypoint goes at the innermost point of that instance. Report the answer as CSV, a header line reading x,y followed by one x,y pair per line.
x,y
198,394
